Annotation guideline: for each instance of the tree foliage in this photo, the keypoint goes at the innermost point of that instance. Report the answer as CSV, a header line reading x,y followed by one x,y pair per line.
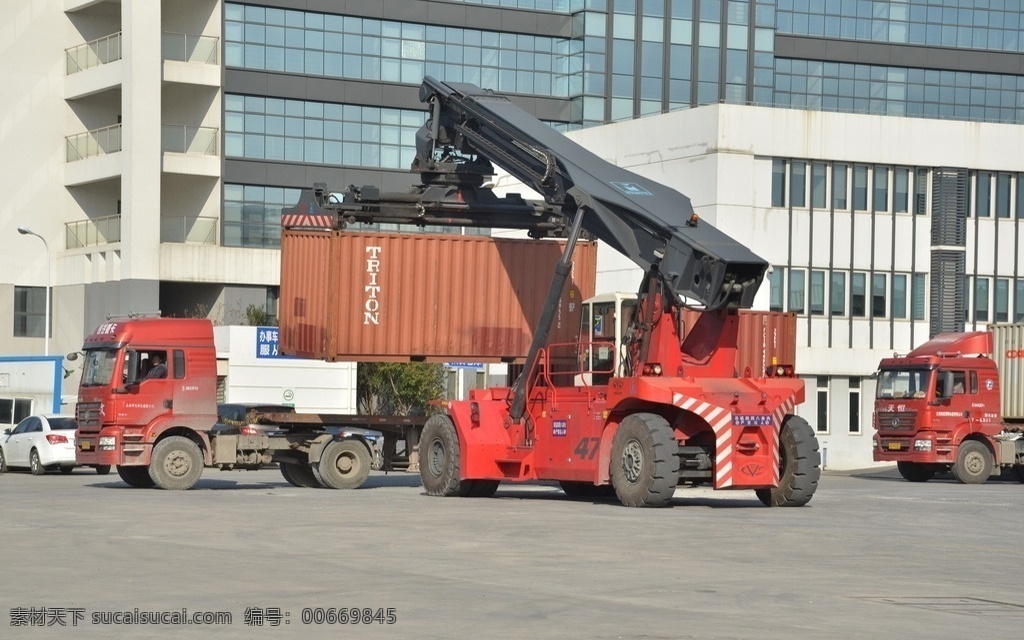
x,y
399,388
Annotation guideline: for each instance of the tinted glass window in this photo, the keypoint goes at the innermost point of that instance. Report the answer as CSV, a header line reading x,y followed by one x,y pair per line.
x,y
62,424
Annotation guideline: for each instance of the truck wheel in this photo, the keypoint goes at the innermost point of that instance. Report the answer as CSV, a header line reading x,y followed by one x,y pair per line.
x,y
439,459
915,471
34,464
973,463
299,475
345,464
799,466
586,490
137,477
177,463
645,461
102,469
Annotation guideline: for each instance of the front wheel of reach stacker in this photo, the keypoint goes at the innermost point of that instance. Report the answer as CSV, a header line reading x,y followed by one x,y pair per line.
x,y
799,466
439,459
345,464
177,463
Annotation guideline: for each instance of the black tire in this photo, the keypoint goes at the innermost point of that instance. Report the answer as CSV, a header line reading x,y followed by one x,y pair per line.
x,y
102,469
483,488
66,470
915,471
645,461
973,463
586,490
177,463
3,462
34,464
439,459
299,475
345,464
137,477
799,466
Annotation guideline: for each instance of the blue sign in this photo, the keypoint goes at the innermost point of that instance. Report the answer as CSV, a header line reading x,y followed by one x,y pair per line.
x,y
759,420
266,342
559,428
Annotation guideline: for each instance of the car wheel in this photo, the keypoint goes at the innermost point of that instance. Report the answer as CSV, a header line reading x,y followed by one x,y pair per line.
x,y
35,465
66,470
102,469
3,462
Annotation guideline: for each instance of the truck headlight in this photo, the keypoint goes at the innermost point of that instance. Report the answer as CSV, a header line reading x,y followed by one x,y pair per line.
x,y
922,445
107,443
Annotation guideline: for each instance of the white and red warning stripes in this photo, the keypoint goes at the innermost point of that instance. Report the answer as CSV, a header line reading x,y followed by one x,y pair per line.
x,y
720,419
318,221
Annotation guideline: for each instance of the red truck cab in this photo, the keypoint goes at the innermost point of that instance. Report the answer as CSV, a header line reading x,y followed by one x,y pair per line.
x,y
938,409
126,405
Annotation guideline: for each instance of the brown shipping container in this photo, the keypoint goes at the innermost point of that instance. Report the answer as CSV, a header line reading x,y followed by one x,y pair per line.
x,y
764,338
440,298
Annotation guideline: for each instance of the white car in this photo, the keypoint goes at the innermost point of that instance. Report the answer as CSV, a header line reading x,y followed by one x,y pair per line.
x,y
40,443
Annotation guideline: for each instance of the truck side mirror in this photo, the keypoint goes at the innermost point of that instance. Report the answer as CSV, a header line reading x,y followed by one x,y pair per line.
x,y
945,389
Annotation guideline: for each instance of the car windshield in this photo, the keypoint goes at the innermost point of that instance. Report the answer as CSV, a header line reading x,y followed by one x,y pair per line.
x,y
62,424
99,367
903,383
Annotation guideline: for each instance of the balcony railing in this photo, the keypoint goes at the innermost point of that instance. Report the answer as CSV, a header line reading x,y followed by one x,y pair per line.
x,y
185,47
177,138
96,142
188,229
92,54
92,231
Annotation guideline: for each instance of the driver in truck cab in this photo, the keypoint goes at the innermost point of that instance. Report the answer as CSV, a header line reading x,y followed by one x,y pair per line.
x,y
158,368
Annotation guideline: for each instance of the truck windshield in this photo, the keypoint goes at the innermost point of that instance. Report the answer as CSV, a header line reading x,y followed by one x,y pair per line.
x,y
905,383
99,367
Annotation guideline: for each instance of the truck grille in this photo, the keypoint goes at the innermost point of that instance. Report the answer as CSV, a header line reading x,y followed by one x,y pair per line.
x,y
896,420
89,415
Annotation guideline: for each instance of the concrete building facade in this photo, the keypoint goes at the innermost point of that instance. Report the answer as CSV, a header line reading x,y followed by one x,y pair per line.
x,y
867,149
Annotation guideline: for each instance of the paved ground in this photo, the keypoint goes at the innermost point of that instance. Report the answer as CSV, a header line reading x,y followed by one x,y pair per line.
x,y
871,557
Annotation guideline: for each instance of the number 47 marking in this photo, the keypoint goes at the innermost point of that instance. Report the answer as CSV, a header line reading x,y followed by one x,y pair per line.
x,y
587,448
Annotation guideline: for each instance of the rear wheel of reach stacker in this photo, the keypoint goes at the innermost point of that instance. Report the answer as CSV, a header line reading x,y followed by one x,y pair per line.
x,y
177,463
645,461
439,459
137,477
586,490
799,466
345,464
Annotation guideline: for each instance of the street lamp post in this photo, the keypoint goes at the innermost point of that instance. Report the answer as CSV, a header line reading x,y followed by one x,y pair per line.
x,y
28,232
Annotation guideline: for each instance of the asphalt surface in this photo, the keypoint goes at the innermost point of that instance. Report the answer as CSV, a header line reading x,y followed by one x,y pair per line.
x,y
871,557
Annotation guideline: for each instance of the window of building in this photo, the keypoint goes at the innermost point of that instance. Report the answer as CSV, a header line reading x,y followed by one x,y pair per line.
x,y
778,182
817,293
981,299
921,192
797,184
1020,195
775,289
1002,300
1018,301
983,195
14,410
858,294
880,201
878,295
860,187
796,290
837,294
29,312
839,172
854,404
818,185
252,215
1002,195
900,189
899,295
917,296
822,398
